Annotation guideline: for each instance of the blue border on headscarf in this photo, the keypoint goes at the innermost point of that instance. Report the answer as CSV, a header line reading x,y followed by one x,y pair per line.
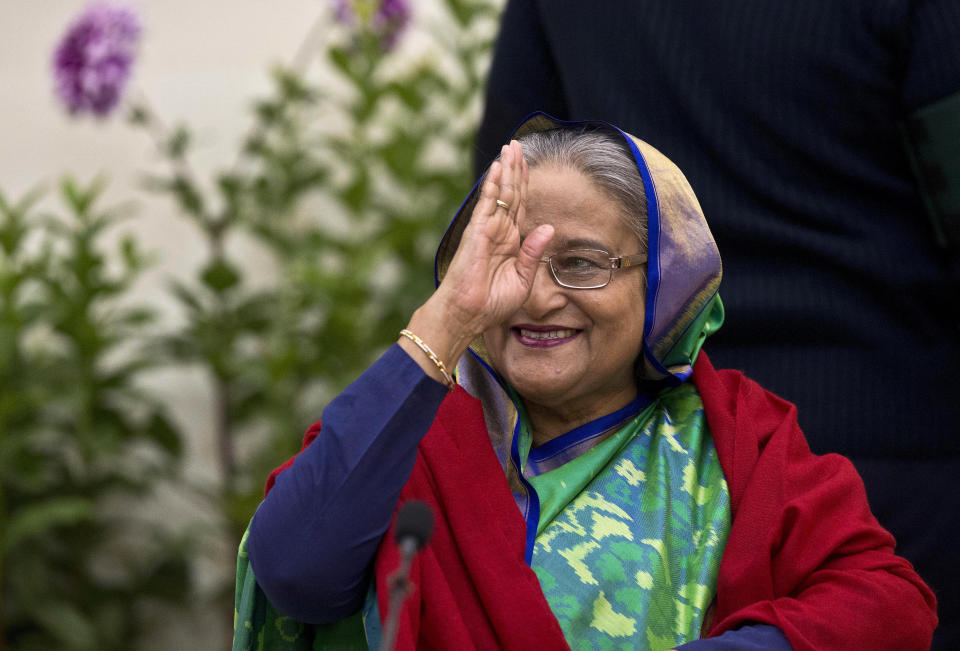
x,y
653,252
532,516
588,431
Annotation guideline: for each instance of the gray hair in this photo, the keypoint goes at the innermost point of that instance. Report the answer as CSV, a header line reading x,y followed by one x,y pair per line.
x,y
604,158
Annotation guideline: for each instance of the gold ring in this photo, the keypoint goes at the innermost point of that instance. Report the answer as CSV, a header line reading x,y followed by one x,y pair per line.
x,y
504,205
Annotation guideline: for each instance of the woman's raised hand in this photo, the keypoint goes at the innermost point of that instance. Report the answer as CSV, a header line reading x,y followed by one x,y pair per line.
x,y
492,272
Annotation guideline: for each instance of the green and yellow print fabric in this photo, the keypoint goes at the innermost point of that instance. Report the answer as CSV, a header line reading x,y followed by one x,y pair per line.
x,y
631,533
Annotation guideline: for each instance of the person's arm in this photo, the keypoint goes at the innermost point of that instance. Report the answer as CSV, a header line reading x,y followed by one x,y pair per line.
x,y
313,538
752,637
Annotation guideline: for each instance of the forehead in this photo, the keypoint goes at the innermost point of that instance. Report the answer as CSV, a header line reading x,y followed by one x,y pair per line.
x,y
582,213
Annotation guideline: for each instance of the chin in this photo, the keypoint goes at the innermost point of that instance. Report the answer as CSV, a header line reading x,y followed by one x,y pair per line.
x,y
540,389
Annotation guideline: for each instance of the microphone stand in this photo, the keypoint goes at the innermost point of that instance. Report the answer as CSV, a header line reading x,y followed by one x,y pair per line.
x,y
400,588
413,527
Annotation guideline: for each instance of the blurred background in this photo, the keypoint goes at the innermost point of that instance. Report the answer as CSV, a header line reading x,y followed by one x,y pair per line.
x,y
212,217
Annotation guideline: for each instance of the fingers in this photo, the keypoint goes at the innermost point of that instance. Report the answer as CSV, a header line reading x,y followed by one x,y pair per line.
x,y
524,185
490,190
504,188
532,250
510,180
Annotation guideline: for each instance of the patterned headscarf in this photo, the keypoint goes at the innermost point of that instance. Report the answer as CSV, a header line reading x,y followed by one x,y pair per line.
x,y
683,266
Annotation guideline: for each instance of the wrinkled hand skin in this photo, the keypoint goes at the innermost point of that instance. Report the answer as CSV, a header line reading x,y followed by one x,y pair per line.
x,y
491,273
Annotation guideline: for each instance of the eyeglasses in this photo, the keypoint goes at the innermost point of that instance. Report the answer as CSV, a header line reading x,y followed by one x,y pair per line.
x,y
588,268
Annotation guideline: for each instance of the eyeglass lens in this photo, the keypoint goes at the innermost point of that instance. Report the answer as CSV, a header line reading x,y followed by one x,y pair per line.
x,y
581,268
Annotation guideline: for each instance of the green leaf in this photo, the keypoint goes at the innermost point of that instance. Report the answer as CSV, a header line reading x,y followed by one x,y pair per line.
x,y
179,142
230,186
186,296
268,112
137,317
409,94
25,204
341,59
37,519
461,10
401,155
355,195
220,275
291,86
80,199
67,623
165,435
187,195
255,146
138,116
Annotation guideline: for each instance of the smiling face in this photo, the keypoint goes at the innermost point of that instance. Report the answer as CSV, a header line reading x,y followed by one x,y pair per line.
x,y
573,350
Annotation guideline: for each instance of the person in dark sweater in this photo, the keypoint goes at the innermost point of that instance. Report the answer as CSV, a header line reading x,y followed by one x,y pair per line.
x,y
786,118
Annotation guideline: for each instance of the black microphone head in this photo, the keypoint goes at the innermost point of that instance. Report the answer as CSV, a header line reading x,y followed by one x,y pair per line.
x,y
415,521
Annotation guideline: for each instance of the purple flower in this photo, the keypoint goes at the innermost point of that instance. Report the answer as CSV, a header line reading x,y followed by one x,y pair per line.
x,y
385,18
93,60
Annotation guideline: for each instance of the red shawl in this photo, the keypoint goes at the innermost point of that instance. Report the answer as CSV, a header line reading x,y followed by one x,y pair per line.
x,y
804,552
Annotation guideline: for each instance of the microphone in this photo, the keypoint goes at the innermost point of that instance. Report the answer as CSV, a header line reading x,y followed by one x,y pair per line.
x,y
414,526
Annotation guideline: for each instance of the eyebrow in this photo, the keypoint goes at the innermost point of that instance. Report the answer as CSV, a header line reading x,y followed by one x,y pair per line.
x,y
582,243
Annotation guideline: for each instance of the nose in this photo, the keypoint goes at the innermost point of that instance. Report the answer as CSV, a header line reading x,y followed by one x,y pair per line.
x,y
545,296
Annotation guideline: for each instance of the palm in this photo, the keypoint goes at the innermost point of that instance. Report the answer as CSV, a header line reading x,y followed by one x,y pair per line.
x,y
493,270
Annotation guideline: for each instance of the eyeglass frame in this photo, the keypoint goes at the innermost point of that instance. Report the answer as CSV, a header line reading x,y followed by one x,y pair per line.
x,y
616,262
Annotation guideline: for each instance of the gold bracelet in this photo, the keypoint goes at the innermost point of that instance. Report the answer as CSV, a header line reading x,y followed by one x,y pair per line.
x,y
447,379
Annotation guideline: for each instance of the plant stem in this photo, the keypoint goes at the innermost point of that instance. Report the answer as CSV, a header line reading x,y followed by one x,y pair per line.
x,y
224,426
160,134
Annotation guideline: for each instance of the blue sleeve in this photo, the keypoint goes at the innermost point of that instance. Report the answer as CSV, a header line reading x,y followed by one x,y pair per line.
x,y
313,538
753,637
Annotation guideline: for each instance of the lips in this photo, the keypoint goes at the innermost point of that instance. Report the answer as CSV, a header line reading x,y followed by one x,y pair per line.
x,y
543,336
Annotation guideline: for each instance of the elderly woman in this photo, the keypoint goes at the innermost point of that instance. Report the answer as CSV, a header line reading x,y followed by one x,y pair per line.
x,y
595,481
